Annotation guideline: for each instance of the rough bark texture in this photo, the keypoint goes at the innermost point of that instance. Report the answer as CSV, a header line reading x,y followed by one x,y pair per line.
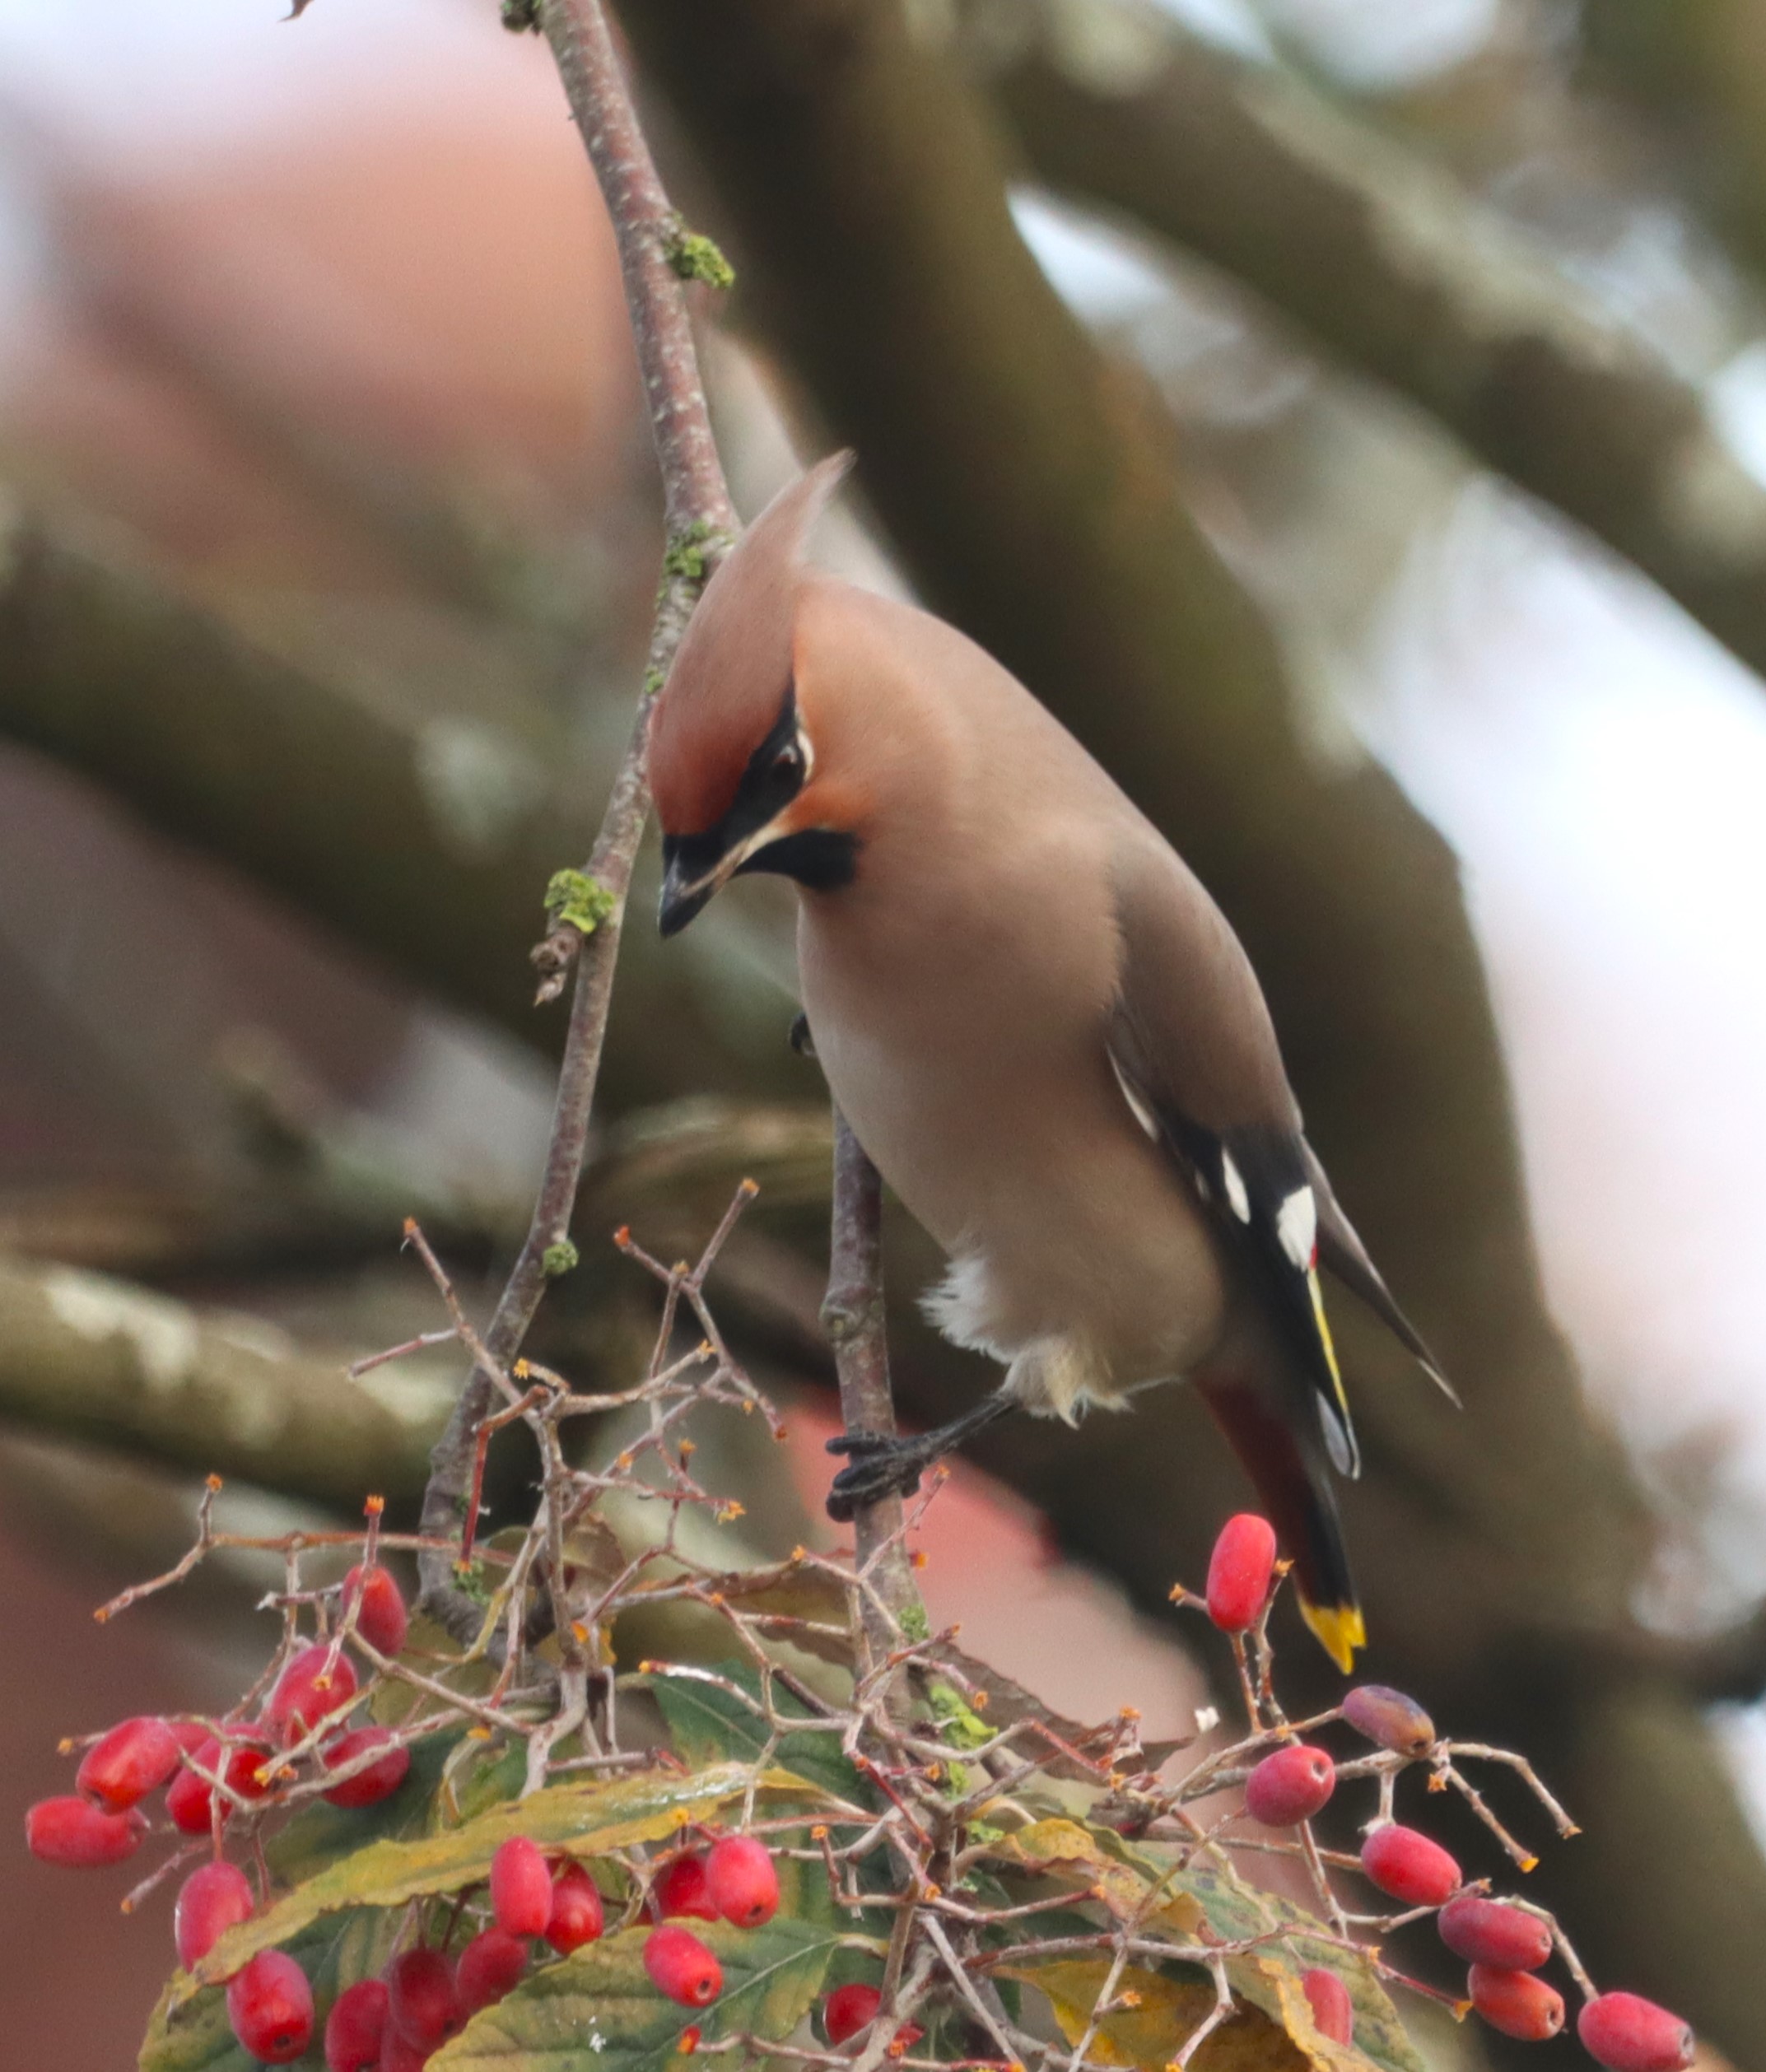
x,y
1031,489
1389,264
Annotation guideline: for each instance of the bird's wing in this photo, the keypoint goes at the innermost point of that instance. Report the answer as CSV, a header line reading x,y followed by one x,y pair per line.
x,y
1340,1248
1194,1052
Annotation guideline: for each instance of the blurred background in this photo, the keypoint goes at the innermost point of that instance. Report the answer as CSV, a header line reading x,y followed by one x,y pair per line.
x,y
1349,415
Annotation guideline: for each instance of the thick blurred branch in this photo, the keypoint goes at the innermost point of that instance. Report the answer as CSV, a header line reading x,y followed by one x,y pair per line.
x,y
85,1357
427,841
1387,263
1030,485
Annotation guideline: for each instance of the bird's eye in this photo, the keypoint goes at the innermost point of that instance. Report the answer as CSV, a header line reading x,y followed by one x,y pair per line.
x,y
789,758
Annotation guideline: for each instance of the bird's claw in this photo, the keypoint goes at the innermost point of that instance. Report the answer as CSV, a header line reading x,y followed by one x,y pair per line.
x,y
881,1468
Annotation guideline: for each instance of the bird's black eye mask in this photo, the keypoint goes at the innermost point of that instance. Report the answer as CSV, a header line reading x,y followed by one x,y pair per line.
x,y
823,859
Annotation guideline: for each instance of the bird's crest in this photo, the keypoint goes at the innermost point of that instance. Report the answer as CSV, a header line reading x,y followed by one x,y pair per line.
x,y
732,668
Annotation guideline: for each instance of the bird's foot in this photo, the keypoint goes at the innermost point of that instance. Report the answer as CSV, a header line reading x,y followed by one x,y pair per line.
x,y
880,1467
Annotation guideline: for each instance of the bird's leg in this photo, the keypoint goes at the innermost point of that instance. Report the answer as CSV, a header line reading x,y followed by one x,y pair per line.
x,y
885,1467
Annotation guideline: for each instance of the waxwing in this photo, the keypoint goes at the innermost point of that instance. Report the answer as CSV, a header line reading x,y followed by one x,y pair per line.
x,y
1035,1018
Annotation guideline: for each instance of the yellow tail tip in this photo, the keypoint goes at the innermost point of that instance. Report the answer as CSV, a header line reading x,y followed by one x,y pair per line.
x,y
1339,1629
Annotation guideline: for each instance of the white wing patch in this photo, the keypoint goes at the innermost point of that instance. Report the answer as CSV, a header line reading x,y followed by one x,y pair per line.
x,y
1137,1107
1296,1227
1237,1192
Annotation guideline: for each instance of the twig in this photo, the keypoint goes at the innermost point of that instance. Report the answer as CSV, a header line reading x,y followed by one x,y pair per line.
x,y
697,503
854,1319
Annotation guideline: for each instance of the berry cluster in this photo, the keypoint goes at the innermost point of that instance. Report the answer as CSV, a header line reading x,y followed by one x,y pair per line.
x,y
1505,1942
251,1761
538,1796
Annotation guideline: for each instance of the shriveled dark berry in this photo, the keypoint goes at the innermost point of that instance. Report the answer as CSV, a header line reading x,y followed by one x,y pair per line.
x,y
1389,1718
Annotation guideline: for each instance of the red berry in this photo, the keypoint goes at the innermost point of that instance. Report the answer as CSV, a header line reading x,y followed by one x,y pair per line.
x,y
251,1769
1389,1718
131,1761
420,2000
380,1618
1484,1931
520,1888
356,2027
681,1966
381,1780
846,2010
491,1965
1515,2002
577,1913
1333,2011
1290,1785
270,2006
1239,1571
308,1691
681,1889
741,1882
1409,1867
1627,2033
210,1902
80,1836
396,2054
188,1801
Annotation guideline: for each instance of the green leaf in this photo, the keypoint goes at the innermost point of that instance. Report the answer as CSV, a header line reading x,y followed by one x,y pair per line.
x,y
334,1953
709,1724
598,2012
318,1835
582,1819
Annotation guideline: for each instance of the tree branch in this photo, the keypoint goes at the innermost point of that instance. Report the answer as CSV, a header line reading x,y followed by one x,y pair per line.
x,y
1389,264
699,511
857,1325
87,1357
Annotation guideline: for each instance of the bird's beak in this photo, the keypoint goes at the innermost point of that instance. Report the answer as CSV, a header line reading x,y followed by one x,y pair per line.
x,y
688,883
683,897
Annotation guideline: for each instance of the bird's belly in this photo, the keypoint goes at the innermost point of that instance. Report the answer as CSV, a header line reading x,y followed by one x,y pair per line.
x,y
1061,1221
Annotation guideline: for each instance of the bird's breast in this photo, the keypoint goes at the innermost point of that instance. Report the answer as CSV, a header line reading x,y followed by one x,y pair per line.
x,y
967,1051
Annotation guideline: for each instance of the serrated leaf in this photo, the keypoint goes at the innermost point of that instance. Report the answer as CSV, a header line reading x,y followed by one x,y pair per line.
x,y
707,1724
1150,2035
598,2012
334,1953
582,1819
1125,1884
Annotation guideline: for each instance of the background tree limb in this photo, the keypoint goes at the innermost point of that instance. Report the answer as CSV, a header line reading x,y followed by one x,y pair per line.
x,y
1389,264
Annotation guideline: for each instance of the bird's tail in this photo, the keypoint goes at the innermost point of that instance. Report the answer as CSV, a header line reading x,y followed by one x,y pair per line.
x,y
1295,1492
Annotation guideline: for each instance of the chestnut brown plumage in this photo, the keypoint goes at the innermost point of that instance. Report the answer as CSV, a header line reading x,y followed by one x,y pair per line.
x,y
1039,1024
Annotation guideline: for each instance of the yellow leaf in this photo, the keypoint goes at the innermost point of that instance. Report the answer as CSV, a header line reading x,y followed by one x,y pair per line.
x,y
1147,2037
1128,1891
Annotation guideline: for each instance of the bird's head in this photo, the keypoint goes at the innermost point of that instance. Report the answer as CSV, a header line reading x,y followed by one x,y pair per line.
x,y
732,766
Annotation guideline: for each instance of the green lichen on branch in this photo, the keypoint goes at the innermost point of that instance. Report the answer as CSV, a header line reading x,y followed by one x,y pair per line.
x,y
560,1258
685,556
695,257
576,899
